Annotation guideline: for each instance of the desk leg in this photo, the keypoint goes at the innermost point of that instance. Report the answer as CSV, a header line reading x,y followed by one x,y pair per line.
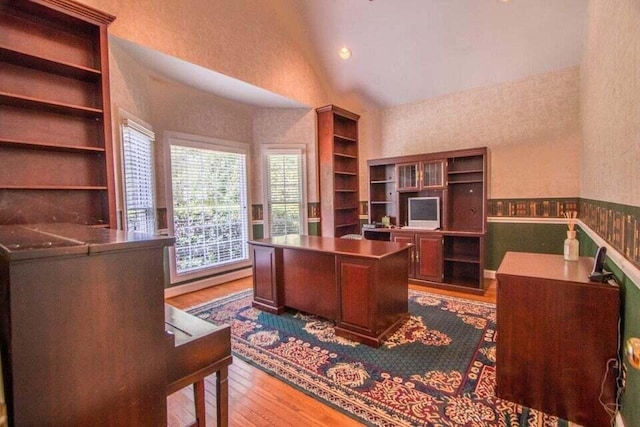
x,y
198,399
222,397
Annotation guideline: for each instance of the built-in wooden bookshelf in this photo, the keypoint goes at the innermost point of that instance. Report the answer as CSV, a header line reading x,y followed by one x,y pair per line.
x,y
55,120
452,256
338,158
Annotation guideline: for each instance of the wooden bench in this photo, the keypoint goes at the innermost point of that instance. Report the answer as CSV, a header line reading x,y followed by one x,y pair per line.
x,y
195,350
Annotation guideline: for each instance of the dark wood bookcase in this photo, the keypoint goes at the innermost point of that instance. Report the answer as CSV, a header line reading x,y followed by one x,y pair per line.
x,y
338,163
453,256
55,119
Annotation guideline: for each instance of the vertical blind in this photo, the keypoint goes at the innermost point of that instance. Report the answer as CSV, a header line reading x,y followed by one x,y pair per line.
x,y
209,207
137,147
284,192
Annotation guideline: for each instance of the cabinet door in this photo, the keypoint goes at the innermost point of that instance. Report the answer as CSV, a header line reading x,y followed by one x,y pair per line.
x,y
428,263
407,238
432,174
267,266
408,176
356,287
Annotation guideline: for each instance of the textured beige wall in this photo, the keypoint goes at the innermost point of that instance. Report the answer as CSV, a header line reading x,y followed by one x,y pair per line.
x,y
168,106
611,103
273,127
129,84
179,108
253,41
531,127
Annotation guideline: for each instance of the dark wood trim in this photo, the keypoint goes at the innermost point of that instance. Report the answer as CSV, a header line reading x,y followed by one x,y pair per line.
x,y
79,10
339,111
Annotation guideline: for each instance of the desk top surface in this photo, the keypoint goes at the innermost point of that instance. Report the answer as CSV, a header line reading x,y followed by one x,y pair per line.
x,y
361,248
30,241
547,266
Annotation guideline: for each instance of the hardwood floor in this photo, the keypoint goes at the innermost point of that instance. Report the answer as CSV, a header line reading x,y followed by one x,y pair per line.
x,y
256,398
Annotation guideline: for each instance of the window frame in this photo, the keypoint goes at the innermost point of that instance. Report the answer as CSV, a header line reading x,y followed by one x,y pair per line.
x,y
300,150
128,120
215,144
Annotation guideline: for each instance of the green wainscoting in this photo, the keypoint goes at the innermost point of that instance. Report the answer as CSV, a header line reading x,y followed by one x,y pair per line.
x,y
258,231
313,228
523,237
631,396
631,328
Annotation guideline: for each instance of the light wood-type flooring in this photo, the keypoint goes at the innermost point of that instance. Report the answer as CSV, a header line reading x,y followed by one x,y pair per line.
x,y
256,398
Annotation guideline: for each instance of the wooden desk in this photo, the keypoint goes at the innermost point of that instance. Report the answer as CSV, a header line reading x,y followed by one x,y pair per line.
x,y
557,332
197,349
361,284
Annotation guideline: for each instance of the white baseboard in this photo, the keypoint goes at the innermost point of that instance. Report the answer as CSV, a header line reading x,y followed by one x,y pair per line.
x,y
206,283
489,274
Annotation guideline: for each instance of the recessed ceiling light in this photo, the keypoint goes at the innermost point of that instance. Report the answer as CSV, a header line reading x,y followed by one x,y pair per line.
x,y
345,53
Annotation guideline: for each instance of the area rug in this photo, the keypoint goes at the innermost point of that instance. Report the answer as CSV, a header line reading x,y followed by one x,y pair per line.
x,y
438,369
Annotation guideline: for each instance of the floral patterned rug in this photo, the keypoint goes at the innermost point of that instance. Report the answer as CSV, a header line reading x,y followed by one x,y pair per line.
x,y
438,369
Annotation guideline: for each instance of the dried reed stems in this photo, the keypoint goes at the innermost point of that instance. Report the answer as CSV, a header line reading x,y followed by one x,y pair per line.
x,y
572,217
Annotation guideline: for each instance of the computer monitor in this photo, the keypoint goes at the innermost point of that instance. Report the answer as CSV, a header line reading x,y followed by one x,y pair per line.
x,y
424,212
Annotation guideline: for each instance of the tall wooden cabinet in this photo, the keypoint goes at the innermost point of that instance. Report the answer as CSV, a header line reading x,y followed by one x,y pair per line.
x,y
453,256
55,125
338,164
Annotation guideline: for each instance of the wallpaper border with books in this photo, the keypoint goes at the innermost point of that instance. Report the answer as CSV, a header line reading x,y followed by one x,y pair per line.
x,y
616,223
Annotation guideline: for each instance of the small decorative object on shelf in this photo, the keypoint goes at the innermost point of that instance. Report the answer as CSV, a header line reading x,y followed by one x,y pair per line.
x,y
571,244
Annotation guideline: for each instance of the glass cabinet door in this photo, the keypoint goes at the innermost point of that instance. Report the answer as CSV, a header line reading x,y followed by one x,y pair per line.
x,y
432,174
408,176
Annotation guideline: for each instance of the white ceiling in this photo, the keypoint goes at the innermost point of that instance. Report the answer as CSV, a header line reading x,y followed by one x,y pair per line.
x,y
410,50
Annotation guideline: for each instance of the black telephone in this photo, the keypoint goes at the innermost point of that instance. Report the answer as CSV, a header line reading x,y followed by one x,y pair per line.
x,y
599,274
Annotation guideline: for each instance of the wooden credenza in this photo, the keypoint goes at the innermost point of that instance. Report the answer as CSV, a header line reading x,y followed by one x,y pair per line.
x,y
557,337
82,327
361,284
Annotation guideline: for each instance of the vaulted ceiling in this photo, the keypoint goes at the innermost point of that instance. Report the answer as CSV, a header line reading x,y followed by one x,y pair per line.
x,y
409,50
405,51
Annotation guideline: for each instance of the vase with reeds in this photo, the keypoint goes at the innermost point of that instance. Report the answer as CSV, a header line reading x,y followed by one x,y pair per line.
x,y
571,244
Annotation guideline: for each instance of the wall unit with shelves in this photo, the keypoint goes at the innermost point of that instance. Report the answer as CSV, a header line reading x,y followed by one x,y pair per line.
x,y
55,125
382,191
338,158
453,256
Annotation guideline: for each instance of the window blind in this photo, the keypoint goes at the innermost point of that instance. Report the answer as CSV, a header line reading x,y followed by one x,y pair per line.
x,y
285,193
138,170
209,207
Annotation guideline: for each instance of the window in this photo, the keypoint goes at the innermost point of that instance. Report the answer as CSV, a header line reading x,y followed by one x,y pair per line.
x,y
209,207
138,177
285,191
